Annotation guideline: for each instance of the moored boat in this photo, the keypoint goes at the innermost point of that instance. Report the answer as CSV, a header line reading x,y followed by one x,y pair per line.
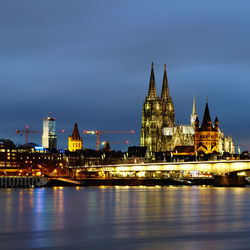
x,y
22,181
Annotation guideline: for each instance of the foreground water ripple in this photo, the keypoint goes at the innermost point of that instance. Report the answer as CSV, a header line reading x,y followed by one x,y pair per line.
x,y
125,218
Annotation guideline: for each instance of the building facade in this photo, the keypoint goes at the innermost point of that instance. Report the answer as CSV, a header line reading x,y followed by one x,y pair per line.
x,y
157,113
158,130
49,137
180,135
206,136
8,153
75,141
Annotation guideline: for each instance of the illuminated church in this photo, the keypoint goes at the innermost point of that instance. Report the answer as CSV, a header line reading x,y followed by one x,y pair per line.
x,y
158,112
159,132
75,141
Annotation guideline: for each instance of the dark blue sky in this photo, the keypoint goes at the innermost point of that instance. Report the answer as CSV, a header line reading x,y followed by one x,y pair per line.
x,y
90,61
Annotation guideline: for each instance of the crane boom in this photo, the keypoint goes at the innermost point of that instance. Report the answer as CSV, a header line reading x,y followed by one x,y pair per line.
x,y
98,133
27,132
115,142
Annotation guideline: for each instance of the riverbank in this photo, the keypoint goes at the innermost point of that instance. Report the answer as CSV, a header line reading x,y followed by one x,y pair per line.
x,y
130,182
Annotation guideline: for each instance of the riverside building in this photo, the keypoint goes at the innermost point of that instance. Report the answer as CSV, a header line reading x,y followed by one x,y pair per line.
x,y
158,130
75,141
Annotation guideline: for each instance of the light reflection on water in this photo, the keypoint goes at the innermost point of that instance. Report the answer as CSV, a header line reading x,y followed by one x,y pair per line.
x,y
125,218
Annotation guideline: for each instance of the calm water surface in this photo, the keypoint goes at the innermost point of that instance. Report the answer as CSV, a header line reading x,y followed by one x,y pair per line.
x,y
125,218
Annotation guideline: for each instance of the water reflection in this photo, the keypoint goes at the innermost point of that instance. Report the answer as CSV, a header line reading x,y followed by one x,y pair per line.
x,y
125,218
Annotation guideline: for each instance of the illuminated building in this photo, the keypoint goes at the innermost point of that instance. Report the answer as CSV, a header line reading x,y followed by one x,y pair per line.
x,y
206,136
194,114
180,135
158,130
157,112
75,141
137,154
49,138
7,153
31,154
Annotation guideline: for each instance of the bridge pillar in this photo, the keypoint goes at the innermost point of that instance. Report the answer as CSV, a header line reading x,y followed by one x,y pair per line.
x,y
229,180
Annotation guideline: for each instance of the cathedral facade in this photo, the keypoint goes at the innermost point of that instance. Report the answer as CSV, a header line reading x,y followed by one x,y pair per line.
x,y
158,112
158,130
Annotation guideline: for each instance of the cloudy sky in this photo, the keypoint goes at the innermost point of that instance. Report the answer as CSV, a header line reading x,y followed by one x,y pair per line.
x,y
89,61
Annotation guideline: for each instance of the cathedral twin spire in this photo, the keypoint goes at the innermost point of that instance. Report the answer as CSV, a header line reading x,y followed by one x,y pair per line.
x,y
152,86
165,90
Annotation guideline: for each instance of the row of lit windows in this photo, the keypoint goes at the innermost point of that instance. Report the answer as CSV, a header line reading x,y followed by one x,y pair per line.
x,y
207,136
48,158
7,150
76,144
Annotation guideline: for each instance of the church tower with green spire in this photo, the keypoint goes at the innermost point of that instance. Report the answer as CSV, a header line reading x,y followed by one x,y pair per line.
x,y
194,114
157,112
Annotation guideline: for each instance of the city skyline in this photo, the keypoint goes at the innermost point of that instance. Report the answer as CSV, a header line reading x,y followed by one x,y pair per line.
x,y
92,66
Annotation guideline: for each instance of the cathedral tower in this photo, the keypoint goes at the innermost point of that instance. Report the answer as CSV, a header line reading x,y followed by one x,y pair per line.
x,y
157,112
152,88
167,103
151,117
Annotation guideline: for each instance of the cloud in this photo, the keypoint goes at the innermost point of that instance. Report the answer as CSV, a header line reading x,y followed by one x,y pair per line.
x,y
90,61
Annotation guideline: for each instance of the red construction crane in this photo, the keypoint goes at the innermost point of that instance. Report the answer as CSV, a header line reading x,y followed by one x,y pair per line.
x,y
115,142
98,133
27,131
107,143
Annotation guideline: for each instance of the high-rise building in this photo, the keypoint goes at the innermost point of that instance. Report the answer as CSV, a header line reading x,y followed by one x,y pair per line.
x,y
49,138
75,141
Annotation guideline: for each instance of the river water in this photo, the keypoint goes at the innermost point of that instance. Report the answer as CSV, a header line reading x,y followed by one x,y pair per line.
x,y
125,218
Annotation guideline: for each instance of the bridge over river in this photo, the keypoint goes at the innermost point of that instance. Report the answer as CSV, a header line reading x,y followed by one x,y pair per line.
x,y
223,173
212,167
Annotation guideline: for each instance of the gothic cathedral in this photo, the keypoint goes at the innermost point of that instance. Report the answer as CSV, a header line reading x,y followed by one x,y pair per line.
x,y
158,112
158,130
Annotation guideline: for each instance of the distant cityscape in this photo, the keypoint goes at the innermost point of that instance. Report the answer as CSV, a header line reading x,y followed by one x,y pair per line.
x,y
161,141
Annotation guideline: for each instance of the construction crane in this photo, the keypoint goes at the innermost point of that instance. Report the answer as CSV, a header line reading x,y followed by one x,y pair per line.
x,y
98,133
115,142
27,132
107,144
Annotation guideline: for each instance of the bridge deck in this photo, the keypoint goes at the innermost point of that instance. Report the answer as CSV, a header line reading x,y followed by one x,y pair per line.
x,y
215,167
